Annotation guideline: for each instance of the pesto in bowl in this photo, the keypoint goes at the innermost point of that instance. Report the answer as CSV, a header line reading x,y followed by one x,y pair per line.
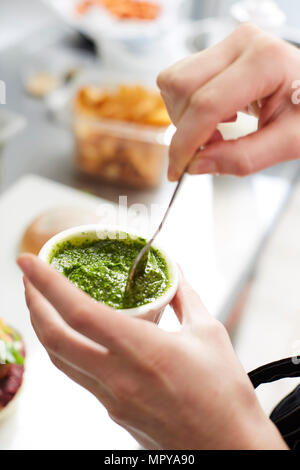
x,y
101,268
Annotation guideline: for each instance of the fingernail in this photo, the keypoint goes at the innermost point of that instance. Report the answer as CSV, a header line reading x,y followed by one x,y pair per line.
x,y
202,166
25,264
172,175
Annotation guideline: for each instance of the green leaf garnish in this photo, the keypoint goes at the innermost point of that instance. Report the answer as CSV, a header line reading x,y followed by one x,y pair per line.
x,y
10,352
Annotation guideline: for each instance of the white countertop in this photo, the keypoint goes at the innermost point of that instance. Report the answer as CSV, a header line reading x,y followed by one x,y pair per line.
x,y
55,413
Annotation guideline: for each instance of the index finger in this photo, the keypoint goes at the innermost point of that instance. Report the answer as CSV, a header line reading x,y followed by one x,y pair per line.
x,y
102,324
180,81
245,81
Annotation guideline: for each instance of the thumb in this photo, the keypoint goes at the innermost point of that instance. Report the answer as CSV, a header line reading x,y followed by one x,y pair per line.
x,y
247,154
188,306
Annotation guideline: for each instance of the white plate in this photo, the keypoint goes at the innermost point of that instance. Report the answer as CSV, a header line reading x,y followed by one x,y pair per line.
x,y
97,22
143,48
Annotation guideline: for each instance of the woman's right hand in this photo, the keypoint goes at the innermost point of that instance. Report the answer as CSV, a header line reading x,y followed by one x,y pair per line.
x,y
248,68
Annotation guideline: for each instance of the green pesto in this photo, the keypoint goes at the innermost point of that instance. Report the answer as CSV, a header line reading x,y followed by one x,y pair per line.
x,y
101,268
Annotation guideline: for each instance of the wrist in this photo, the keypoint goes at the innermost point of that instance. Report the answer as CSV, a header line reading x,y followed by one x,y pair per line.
x,y
254,429
264,435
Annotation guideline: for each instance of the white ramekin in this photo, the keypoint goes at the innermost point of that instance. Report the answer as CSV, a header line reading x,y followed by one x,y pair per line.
x,y
151,311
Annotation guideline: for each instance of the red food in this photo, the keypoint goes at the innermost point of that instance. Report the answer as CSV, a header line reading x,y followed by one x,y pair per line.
x,y
11,377
11,374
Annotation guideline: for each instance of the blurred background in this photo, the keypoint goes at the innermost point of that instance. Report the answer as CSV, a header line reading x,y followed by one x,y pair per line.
x,y
82,123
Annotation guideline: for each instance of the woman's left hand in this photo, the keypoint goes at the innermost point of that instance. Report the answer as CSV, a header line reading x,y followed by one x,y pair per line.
x,y
184,390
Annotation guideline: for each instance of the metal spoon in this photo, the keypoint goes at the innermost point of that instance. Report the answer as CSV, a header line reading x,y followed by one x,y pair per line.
x,y
142,258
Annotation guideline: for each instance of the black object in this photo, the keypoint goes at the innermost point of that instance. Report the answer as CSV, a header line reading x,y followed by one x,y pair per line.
x,y
286,415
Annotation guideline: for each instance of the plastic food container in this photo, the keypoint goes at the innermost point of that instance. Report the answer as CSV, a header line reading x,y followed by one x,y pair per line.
x,y
121,133
119,152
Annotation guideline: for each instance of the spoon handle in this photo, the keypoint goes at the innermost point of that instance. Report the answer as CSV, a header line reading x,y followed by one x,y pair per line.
x,y
167,211
146,248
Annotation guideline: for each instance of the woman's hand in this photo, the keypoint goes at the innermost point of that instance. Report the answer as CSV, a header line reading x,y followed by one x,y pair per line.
x,y
248,69
183,390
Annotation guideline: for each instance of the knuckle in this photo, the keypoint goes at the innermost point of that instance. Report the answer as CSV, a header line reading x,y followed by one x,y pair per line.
x,y
242,164
44,280
29,302
117,413
78,318
247,30
56,362
119,389
126,390
178,84
163,79
161,364
241,168
33,306
267,48
173,80
205,101
51,339
124,397
215,332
